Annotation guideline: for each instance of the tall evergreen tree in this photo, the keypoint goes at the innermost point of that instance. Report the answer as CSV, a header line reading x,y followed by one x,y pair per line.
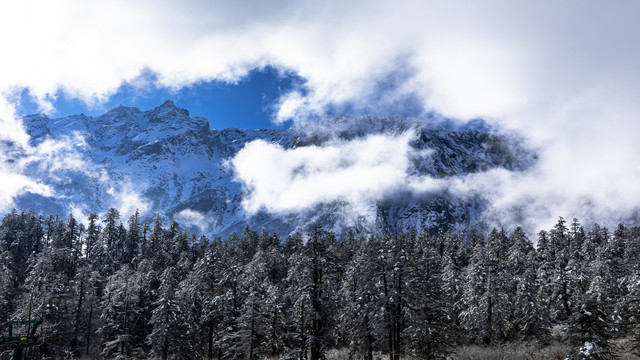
x,y
119,307
451,279
86,312
133,240
93,246
562,297
488,313
529,321
166,319
474,288
588,333
313,279
152,249
425,321
207,287
47,295
359,311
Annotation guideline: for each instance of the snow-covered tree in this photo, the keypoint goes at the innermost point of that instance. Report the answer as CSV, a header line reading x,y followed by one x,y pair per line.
x,y
359,313
588,333
120,307
168,321
312,288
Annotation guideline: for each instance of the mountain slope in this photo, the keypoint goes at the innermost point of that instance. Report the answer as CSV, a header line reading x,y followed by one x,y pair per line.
x,y
164,161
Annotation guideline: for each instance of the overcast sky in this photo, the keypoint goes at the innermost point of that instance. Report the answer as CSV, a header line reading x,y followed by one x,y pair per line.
x,y
563,74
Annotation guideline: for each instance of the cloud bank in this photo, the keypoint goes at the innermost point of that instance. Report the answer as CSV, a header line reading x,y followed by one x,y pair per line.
x,y
563,74
357,172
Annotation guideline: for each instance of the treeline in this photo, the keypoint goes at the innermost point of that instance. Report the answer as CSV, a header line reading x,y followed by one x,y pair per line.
x,y
119,290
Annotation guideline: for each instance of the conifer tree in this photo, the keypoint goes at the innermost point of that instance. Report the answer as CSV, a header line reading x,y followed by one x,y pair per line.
x,y
208,289
546,274
119,307
588,333
562,297
190,337
249,339
498,308
133,240
631,306
8,286
47,295
358,290
93,245
474,287
152,249
425,321
452,298
87,311
166,319
617,268
313,282
529,321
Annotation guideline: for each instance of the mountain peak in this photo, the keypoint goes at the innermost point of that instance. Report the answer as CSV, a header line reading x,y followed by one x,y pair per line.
x,y
168,103
119,112
169,107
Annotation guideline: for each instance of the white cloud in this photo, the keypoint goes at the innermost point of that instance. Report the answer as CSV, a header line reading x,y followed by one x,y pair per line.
x,y
16,184
12,129
564,74
54,157
189,218
357,172
13,141
127,200
39,168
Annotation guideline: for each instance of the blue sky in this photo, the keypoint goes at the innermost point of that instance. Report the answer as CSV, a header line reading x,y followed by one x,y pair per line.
x,y
248,103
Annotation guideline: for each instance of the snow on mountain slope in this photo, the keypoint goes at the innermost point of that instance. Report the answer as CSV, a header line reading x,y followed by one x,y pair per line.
x,y
164,161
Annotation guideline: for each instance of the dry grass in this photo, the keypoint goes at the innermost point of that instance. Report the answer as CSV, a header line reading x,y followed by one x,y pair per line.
x,y
344,354
622,349
519,351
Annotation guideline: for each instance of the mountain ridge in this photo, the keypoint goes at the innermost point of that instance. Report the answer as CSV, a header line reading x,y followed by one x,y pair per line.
x,y
171,163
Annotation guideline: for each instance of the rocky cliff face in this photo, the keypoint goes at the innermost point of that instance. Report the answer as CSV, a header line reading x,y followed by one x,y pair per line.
x,y
164,161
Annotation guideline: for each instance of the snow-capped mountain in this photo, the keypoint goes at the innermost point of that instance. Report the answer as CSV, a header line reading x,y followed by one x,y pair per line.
x,y
164,161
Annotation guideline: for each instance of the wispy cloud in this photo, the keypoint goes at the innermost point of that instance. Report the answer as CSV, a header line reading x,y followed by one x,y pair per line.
x,y
51,164
191,218
127,198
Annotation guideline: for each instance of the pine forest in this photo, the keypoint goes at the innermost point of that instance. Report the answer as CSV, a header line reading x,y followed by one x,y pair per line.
x,y
122,289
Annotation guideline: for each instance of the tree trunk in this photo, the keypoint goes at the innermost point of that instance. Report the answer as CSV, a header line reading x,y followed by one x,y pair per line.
x,y
74,341
89,329
210,342
390,317
303,340
253,333
273,332
398,320
124,326
165,344
369,340
316,304
488,335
